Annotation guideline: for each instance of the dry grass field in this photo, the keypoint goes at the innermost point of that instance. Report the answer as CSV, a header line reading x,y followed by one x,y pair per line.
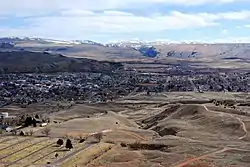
x,y
161,130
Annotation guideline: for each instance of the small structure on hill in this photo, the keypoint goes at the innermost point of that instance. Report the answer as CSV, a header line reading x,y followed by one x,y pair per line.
x,y
4,115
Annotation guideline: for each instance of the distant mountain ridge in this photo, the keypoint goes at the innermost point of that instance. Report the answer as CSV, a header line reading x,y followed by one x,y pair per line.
x,y
127,49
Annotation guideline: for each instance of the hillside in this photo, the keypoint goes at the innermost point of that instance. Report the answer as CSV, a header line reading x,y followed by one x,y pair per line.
x,y
42,62
171,130
132,50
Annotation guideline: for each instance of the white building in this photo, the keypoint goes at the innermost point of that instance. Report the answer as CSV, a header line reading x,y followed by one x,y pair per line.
x,y
4,115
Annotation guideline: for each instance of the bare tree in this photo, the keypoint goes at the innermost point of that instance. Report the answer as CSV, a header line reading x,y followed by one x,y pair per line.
x,y
46,131
31,132
14,132
66,136
98,136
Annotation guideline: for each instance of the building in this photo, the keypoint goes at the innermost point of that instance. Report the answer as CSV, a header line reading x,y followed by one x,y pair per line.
x,y
4,115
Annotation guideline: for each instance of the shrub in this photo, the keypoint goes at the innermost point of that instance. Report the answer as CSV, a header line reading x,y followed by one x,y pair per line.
x,y
98,136
69,144
21,133
123,145
59,142
82,140
46,131
31,132
147,146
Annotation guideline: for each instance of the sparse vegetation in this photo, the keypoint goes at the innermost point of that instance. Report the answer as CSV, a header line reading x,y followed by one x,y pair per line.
x,y
28,121
98,136
21,133
123,144
147,146
31,132
66,136
46,131
59,142
68,144
82,140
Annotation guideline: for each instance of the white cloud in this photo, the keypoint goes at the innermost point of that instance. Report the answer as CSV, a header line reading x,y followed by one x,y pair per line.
x,y
31,7
79,24
224,32
84,24
230,40
239,15
82,19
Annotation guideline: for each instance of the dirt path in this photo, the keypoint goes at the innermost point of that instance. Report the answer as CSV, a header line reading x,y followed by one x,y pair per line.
x,y
88,145
200,157
132,134
241,122
35,161
183,164
99,157
216,152
243,127
61,160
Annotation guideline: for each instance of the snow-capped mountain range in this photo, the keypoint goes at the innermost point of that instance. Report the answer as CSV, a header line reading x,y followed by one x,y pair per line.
x,y
132,43
128,49
76,42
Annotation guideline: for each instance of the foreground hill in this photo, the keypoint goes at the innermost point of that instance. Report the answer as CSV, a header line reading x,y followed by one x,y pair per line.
x,y
182,129
25,61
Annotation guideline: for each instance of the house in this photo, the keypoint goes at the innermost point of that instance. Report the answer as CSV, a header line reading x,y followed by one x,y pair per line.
x,y
39,121
9,129
44,124
3,127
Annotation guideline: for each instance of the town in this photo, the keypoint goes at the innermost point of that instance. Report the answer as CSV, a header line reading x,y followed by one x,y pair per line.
x,y
98,87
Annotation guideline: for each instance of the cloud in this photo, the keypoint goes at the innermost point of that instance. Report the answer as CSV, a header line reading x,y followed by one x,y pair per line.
x,y
29,7
224,31
79,24
85,24
93,19
230,40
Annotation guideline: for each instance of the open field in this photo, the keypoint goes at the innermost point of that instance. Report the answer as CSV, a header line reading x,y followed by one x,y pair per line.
x,y
162,130
26,151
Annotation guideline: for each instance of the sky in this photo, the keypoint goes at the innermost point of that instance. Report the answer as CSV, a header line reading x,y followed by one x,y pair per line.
x,y
123,20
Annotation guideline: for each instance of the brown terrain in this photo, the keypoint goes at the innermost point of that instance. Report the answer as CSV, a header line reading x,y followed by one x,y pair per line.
x,y
182,129
231,55
147,129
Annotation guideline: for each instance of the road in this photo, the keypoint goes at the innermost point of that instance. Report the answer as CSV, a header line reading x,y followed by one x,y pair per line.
x,y
61,160
88,145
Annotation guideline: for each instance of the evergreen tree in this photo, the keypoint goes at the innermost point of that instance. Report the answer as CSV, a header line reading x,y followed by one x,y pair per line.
x,y
69,144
